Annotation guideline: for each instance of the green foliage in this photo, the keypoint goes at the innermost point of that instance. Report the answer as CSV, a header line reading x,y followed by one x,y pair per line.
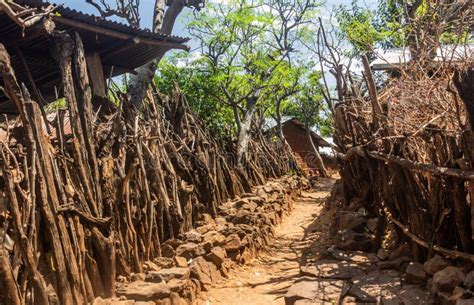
x,y
247,50
56,105
199,87
395,21
365,28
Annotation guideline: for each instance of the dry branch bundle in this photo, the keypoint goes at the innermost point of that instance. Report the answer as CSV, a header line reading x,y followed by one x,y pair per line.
x,y
416,167
97,196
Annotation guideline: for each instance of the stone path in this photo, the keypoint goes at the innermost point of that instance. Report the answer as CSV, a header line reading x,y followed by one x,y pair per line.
x,y
302,267
266,280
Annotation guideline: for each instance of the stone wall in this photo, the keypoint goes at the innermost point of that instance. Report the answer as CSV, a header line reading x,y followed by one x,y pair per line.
x,y
203,256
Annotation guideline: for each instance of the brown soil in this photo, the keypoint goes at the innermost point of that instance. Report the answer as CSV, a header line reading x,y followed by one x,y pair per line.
x,y
267,279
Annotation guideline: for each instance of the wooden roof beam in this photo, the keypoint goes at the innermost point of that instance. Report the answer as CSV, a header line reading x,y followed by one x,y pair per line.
x,y
117,34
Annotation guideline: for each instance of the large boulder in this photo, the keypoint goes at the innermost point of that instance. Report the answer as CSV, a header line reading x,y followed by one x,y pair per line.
x,y
447,279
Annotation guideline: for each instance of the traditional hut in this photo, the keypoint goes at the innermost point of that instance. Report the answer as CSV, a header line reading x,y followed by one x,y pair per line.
x,y
295,134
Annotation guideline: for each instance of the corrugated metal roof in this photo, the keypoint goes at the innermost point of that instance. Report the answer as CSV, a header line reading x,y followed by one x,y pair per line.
x,y
122,48
398,57
73,14
53,117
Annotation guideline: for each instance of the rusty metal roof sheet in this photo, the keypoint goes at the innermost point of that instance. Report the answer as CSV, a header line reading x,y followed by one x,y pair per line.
x,y
76,15
122,48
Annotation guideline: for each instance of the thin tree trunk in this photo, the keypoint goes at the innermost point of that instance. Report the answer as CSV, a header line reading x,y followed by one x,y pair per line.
x,y
244,131
376,108
278,121
140,82
319,161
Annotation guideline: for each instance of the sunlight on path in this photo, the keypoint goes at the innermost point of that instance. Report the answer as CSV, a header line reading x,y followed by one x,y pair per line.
x,y
266,280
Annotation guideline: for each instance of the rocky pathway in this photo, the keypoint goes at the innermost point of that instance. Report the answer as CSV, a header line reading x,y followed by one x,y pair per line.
x,y
303,266
266,279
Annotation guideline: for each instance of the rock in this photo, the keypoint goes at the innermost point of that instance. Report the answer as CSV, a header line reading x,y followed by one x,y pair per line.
x,y
144,291
193,237
403,250
242,217
100,301
180,261
442,298
469,281
163,262
205,228
205,272
245,257
176,299
167,250
415,274
226,266
137,277
429,285
459,293
166,275
447,279
232,242
465,302
351,221
217,256
166,301
372,224
189,250
383,254
207,218
220,221
121,279
356,241
174,242
212,239
312,290
151,266
396,264
332,269
435,264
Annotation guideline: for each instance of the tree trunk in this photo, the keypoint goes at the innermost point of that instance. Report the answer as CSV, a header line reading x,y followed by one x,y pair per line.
x,y
140,82
376,108
319,161
244,131
278,121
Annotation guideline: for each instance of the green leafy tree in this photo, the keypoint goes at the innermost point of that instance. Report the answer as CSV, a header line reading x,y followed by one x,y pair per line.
x,y
247,46
201,91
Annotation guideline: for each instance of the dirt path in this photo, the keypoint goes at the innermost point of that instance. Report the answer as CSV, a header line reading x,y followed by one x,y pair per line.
x,y
266,280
